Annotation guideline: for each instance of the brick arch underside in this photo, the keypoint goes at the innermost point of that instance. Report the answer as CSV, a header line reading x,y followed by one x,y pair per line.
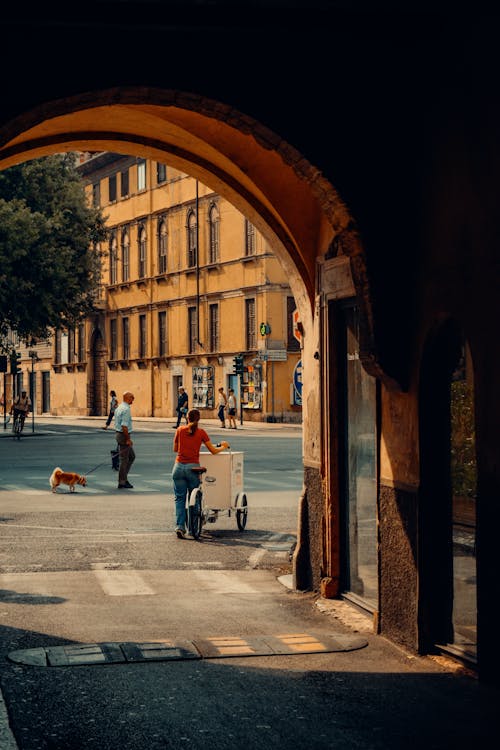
x,y
285,197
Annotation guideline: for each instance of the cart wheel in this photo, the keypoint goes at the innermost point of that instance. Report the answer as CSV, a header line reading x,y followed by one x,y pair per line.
x,y
193,510
241,511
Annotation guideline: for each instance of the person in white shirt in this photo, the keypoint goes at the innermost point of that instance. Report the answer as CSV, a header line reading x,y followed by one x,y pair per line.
x,y
123,430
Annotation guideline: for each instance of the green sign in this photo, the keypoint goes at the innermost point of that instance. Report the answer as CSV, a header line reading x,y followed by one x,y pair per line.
x,y
264,329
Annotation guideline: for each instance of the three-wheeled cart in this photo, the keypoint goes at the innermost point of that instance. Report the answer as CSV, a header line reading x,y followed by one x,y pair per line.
x,y
220,492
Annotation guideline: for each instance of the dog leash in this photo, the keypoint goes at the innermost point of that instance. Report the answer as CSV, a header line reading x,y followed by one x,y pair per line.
x,y
101,464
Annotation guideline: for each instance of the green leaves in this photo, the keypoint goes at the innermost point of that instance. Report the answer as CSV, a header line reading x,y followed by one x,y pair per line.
x,y
48,270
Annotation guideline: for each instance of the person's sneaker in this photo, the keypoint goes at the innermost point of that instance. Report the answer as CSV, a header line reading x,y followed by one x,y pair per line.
x,y
126,486
180,533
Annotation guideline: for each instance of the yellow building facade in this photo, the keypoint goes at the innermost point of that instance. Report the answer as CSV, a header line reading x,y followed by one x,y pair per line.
x,y
187,285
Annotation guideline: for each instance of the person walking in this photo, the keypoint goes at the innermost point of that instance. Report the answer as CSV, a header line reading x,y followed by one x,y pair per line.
x,y
231,409
113,403
182,406
123,430
187,443
221,407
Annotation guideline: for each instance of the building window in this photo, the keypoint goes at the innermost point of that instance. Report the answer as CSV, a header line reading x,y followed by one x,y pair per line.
x,y
57,347
142,252
161,173
81,342
191,239
213,223
125,256
96,194
124,183
125,338
251,329
113,261
113,335
141,175
213,313
249,238
162,333
193,329
142,337
112,188
292,344
162,247
71,345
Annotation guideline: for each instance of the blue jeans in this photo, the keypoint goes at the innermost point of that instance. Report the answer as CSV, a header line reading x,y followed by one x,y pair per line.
x,y
185,480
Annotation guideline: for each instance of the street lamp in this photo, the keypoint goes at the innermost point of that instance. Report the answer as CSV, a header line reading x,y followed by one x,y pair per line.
x,y
34,358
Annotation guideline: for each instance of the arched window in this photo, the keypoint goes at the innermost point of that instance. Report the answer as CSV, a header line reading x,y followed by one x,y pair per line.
x,y
142,240
213,224
162,246
113,260
125,256
192,239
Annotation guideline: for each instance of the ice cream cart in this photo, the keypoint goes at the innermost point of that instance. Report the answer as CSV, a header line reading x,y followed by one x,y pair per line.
x,y
220,492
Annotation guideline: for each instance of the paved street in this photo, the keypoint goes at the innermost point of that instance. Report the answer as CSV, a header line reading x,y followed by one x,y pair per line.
x,y
101,572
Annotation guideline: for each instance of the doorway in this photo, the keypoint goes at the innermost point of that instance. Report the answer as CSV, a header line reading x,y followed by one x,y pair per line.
x,y
447,505
45,392
97,385
357,404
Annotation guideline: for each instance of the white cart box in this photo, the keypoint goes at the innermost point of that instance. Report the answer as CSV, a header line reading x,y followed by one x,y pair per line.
x,y
223,480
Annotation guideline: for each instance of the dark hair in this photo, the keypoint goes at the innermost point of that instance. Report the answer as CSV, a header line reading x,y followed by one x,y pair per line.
x,y
112,393
193,419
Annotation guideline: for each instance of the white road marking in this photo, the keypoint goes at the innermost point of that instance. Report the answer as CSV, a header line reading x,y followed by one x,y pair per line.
x,y
223,582
122,583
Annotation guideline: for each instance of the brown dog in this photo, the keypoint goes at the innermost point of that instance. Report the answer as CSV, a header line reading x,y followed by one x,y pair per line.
x,y
70,478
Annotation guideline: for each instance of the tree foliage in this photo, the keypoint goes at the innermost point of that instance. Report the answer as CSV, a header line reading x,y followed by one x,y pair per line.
x,y
49,269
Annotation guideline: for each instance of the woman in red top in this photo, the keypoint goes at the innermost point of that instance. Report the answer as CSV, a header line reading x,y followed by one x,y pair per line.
x,y
187,443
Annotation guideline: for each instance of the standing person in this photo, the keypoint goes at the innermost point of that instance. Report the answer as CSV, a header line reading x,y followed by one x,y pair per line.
x,y
113,403
221,406
123,430
182,406
21,406
231,409
187,443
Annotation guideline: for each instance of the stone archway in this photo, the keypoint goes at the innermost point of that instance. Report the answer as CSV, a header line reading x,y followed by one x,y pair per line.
x,y
263,177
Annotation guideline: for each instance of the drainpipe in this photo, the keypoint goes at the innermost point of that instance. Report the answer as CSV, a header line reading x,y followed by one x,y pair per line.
x,y
197,270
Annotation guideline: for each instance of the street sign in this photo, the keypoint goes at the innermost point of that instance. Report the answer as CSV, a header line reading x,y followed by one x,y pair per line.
x,y
265,329
297,326
297,384
276,355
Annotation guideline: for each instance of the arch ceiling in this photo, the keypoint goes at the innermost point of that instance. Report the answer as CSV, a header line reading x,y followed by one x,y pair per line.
x,y
265,178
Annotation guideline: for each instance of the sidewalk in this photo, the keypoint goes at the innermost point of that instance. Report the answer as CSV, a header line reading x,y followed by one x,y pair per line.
x,y
146,423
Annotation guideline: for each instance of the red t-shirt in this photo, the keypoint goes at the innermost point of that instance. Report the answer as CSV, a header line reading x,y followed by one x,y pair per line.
x,y
188,446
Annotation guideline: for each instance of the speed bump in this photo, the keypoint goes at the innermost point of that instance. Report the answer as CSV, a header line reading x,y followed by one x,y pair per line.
x,y
217,647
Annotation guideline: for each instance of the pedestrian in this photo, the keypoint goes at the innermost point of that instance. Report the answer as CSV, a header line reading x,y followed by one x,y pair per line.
x,y
182,406
231,409
187,443
113,403
221,406
123,431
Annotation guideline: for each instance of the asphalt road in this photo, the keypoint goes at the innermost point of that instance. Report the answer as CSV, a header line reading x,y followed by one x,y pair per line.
x,y
103,566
